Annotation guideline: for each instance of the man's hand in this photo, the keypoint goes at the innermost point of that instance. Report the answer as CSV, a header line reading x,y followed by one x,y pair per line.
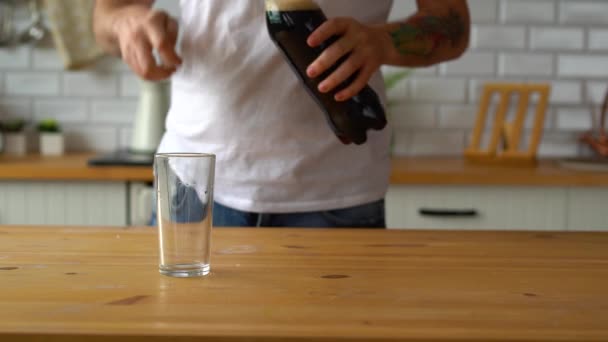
x,y
134,30
365,46
438,32
138,36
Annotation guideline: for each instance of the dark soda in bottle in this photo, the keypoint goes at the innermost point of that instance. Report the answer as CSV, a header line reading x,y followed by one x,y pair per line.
x,y
290,23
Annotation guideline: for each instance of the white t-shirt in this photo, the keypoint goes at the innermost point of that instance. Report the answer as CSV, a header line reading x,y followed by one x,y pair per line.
x,y
236,97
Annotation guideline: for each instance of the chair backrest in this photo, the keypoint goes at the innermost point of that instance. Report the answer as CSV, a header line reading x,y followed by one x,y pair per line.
x,y
503,130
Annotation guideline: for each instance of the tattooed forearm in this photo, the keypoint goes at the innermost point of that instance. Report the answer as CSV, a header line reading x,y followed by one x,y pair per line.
x,y
423,34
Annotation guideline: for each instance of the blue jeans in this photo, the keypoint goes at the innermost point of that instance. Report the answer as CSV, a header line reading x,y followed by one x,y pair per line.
x,y
362,216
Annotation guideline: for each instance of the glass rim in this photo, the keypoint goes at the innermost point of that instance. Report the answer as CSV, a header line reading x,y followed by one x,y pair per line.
x,y
183,155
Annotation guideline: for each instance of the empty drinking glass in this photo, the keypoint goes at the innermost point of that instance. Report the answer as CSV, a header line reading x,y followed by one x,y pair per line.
x,y
184,199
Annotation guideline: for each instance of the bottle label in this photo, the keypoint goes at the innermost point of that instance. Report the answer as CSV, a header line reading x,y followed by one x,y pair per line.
x,y
274,17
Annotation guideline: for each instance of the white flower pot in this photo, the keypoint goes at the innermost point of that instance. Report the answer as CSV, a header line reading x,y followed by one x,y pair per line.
x,y
15,144
51,144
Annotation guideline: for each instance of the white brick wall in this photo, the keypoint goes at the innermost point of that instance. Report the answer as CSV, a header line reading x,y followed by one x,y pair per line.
x,y
83,138
474,63
96,106
573,119
558,145
32,83
90,84
525,11
414,116
68,111
15,59
584,12
566,92
113,111
558,39
125,135
598,39
129,85
16,107
437,90
526,64
484,11
498,37
427,143
595,92
583,66
46,59
563,42
457,116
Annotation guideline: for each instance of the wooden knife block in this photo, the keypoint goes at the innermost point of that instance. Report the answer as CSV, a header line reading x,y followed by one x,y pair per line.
x,y
504,144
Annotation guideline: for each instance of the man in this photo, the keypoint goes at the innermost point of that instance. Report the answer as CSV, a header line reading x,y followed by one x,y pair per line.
x,y
279,164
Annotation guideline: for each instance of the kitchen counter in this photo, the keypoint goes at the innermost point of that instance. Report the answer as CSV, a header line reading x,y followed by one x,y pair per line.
x,y
92,284
71,167
445,171
405,171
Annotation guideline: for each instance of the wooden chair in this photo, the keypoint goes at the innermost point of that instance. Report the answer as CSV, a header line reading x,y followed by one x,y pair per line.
x,y
505,142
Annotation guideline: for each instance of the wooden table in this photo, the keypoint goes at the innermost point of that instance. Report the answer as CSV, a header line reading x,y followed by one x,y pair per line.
x,y
60,284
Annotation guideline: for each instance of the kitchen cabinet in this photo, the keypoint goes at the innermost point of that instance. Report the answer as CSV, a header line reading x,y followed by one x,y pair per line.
x,y
141,203
65,190
63,203
588,209
425,193
79,203
407,207
497,207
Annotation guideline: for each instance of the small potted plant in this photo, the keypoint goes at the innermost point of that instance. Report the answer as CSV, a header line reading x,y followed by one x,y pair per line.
x,y
15,140
51,138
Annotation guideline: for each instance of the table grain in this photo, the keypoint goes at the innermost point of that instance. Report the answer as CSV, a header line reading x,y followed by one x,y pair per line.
x,y
99,284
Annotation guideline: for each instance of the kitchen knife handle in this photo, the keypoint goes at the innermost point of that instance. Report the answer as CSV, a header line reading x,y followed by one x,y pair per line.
x,y
448,212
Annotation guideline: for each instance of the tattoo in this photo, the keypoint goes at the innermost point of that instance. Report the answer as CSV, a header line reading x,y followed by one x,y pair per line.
x,y
421,35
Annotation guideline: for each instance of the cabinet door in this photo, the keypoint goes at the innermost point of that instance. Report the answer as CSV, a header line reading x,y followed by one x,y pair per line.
x,y
63,203
500,208
588,209
142,201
